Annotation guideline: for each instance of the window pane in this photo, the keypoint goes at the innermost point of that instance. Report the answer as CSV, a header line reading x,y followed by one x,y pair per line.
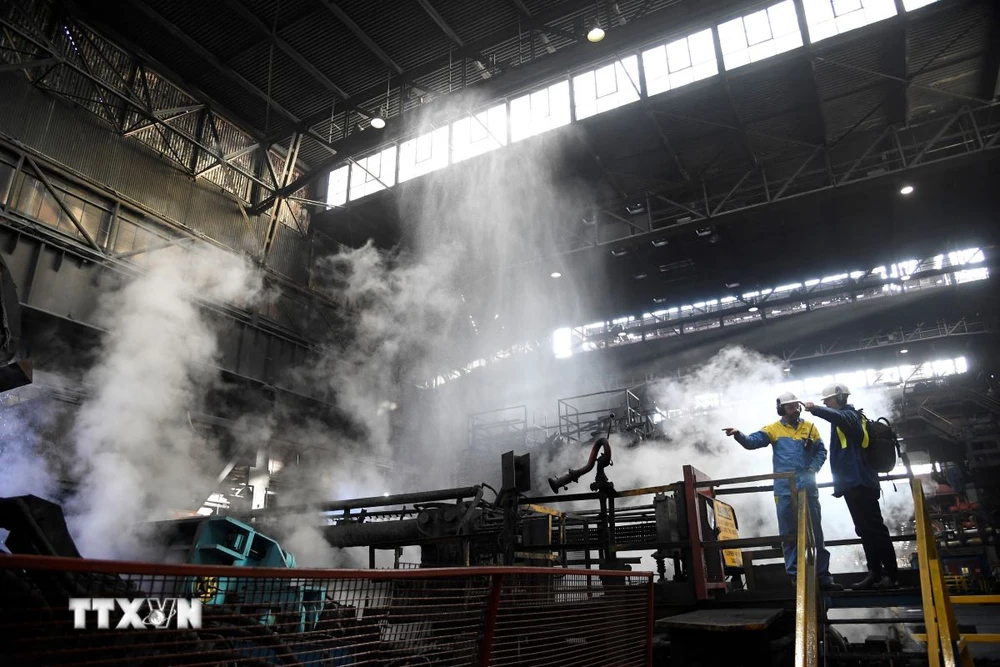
x,y
767,32
477,134
732,37
605,81
606,88
373,173
540,111
678,55
702,47
783,19
826,18
757,27
336,192
654,64
423,154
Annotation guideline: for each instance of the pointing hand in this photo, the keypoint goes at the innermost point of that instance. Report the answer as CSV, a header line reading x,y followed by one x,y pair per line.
x,y
731,431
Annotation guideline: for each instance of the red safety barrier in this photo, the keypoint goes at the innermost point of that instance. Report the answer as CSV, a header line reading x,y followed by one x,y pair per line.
x,y
66,611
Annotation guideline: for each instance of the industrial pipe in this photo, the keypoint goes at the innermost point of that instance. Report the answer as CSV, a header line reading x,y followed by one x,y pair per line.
x,y
372,533
459,493
574,475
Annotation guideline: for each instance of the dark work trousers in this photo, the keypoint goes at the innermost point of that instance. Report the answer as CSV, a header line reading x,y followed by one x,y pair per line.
x,y
862,502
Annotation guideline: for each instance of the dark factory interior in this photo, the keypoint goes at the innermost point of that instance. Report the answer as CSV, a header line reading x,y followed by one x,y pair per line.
x,y
499,332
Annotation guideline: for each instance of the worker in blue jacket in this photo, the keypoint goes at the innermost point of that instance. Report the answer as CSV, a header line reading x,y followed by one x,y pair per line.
x,y
796,446
858,484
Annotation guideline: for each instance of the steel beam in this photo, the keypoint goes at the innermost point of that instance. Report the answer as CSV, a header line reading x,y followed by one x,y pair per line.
x,y
27,65
797,173
890,77
210,58
362,36
134,104
294,55
69,214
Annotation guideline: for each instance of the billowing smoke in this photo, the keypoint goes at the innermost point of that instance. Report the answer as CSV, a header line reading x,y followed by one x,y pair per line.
x,y
24,468
397,304
137,455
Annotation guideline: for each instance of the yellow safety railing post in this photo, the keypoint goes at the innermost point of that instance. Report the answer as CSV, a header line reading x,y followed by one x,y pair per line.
x,y
943,641
806,588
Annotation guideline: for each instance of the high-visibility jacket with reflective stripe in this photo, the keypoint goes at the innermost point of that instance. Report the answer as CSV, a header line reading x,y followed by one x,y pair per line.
x,y
795,448
849,439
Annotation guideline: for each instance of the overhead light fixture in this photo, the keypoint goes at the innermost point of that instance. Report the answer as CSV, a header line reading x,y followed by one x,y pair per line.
x,y
555,274
906,189
378,120
639,276
753,309
619,252
659,243
903,351
596,33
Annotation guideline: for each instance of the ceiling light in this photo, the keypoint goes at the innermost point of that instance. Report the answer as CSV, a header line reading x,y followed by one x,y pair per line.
x,y
903,351
619,252
596,33
378,122
753,309
555,274
639,276
906,189
659,243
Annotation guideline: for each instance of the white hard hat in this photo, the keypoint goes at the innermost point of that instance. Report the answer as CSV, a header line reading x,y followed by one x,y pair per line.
x,y
787,398
832,390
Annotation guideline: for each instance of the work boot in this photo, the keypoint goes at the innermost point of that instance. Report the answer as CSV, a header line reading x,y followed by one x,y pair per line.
x,y
868,583
886,583
830,586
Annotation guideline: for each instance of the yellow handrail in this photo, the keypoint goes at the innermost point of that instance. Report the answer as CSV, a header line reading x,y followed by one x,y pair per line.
x,y
806,589
944,643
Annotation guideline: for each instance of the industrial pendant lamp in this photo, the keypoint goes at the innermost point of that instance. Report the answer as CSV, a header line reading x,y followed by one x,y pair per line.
x,y
596,32
378,120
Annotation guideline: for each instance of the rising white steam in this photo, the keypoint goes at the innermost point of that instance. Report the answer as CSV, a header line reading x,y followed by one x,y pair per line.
x,y
24,470
138,457
736,387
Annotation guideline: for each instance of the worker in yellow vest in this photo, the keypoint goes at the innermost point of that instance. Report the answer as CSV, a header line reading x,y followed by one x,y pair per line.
x,y
857,483
796,446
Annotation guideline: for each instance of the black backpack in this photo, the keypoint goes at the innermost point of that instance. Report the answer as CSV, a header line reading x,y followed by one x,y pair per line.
x,y
883,445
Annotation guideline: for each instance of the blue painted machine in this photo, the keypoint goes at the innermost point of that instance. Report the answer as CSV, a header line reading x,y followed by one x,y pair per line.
x,y
286,605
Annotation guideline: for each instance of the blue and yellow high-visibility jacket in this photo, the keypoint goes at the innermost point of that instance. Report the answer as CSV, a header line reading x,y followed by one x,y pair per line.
x,y
848,439
795,448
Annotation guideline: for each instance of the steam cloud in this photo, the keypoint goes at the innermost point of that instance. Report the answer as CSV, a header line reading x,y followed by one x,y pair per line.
x,y
737,388
137,455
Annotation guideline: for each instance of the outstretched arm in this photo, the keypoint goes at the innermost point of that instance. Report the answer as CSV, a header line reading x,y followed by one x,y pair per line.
x,y
836,417
752,441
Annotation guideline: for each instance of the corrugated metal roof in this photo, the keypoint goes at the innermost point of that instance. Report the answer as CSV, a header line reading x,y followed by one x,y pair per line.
x,y
409,37
960,32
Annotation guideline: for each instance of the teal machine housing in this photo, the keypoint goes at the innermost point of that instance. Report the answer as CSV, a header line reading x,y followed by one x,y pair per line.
x,y
289,605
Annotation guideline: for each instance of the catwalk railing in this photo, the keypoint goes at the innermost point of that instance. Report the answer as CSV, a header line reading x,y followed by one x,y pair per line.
x,y
945,644
69,611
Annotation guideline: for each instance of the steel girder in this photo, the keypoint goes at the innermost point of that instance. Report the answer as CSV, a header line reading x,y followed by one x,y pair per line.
x,y
898,148
76,63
